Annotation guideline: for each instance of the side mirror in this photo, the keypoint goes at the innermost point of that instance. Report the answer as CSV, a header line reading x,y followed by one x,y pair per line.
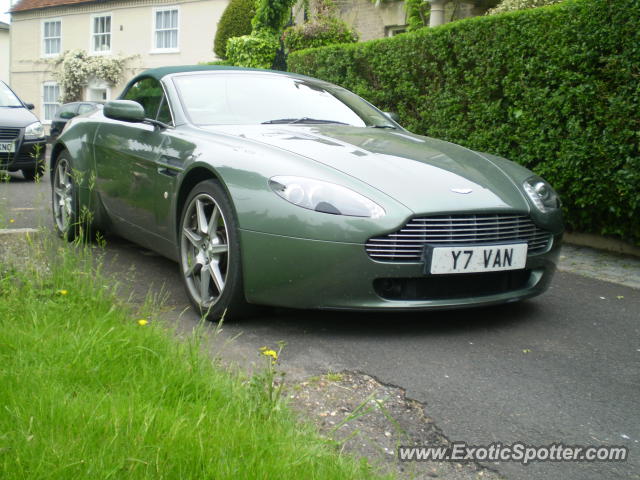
x,y
68,115
30,106
393,116
125,110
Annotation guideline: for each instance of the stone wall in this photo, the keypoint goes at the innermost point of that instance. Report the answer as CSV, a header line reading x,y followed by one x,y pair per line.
x,y
371,20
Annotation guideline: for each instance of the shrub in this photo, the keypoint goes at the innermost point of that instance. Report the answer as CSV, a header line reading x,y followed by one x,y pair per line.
x,y
257,50
553,88
234,22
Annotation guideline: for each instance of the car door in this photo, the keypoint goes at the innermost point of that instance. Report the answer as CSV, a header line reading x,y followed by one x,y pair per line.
x,y
127,157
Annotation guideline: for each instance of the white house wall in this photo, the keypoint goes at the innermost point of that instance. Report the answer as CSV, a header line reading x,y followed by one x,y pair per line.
x,y
132,29
4,55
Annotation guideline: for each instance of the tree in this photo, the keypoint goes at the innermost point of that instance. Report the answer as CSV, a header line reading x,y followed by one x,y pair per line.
x,y
235,22
261,47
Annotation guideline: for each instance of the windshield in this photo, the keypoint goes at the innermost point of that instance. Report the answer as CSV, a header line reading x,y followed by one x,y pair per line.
x,y
8,98
245,99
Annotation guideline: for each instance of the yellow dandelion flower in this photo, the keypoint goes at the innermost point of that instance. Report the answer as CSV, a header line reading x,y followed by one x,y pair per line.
x,y
270,353
12,221
142,322
62,292
262,349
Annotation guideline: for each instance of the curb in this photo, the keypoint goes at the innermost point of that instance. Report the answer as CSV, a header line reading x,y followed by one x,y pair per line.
x,y
17,231
601,243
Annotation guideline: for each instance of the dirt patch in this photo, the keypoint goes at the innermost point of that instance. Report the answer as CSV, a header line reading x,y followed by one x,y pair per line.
x,y
369,419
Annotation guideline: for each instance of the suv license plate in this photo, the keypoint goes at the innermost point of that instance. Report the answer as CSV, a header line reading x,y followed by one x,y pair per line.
x,y
7,147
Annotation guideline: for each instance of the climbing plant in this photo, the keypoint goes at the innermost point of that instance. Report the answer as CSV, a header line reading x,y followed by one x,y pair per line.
x,y
323,27
417,14
74,68
512,5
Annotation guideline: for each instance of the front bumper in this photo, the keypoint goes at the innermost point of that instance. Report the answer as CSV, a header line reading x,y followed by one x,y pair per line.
x,y
28,154
301,273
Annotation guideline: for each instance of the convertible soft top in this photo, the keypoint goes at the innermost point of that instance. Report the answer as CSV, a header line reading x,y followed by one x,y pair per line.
x,y
161,72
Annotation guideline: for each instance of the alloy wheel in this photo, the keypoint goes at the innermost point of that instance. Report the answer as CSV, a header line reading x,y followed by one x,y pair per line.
x,y
63,196
204,250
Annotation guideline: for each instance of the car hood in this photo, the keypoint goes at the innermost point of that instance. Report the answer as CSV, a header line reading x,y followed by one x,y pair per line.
x,y
424,174
16,117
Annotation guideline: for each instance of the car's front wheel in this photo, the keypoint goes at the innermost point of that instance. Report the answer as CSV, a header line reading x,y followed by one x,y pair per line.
x,y
64,199
210,253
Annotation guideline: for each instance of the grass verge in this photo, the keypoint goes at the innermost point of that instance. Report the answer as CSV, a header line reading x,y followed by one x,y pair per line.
x,y
89,391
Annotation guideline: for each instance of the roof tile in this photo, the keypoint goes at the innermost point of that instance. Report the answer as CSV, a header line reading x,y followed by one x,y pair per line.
x,y
24,5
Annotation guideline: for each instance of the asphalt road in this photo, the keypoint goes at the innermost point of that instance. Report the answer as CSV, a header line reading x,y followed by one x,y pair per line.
x,y
564,367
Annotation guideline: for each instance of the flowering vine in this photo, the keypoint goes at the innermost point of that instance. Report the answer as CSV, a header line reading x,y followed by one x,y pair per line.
x,y
74,68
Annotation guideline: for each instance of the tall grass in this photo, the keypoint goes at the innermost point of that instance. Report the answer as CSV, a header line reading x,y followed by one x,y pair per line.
x,y
87,390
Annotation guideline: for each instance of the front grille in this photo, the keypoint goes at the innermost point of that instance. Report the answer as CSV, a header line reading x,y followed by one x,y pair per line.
x,y
8,134
407,244
450,287
15,158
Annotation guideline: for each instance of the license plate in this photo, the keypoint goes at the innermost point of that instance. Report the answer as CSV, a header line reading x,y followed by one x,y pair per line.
x,y
474,259
7,147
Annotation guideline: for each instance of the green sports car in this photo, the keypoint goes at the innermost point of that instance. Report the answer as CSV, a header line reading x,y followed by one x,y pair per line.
x,y
277,189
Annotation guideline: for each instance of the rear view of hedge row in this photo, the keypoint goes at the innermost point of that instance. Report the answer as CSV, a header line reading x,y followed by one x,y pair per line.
x,y
556,89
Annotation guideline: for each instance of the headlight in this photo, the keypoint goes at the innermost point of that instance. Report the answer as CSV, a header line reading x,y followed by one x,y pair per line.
x,y
541,194
34,131
324,197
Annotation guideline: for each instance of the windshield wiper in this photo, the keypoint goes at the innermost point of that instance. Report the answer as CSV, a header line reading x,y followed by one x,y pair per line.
x,y
383,126
302,120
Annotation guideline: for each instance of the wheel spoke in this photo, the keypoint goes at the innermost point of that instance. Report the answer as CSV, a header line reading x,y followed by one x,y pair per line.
x,y
64,179
192,269
213,221
219,249
193,237
205,280
217,276
201,217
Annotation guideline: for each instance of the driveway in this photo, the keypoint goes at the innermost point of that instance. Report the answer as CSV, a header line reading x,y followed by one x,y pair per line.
x,y
564,367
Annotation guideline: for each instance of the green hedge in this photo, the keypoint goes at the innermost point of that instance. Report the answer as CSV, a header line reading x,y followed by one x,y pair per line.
x,y
556,89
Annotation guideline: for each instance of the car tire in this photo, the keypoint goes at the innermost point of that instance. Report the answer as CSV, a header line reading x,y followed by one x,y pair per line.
x,y
31,174
64,199
209,252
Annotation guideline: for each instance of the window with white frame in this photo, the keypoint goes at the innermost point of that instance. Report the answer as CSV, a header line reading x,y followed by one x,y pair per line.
x,y
50,100
51,37
101,34
166,29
